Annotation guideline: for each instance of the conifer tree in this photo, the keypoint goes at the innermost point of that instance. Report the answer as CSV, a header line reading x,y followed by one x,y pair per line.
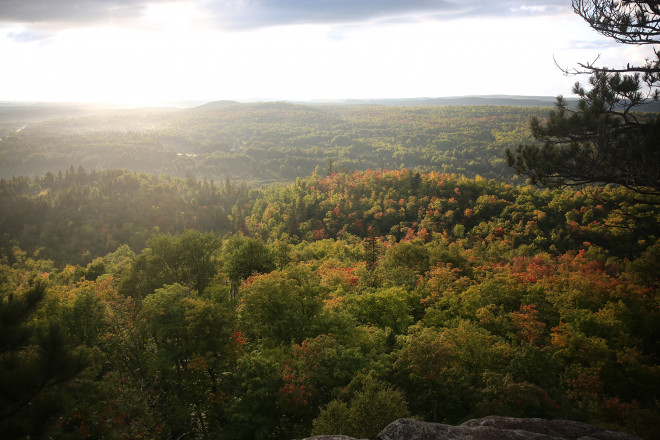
x,y
604,140
35,362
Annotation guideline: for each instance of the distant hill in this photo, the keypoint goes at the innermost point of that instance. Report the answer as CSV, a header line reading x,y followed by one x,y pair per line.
x,y
507,100
216,105
36,111
499,100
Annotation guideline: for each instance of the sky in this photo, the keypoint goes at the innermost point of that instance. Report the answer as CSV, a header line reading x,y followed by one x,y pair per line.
x,y
153,52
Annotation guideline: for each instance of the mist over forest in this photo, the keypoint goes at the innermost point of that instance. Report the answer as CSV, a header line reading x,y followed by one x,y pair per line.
x,y
264,143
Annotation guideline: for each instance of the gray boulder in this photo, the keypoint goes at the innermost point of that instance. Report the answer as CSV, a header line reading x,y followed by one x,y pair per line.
x,y
331,437
492,428
500,428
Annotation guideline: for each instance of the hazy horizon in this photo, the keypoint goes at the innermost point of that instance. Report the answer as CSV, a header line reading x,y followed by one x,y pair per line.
x,y
200,102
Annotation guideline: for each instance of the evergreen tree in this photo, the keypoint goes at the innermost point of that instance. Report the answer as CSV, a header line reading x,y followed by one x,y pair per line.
x,y
604,140
35,363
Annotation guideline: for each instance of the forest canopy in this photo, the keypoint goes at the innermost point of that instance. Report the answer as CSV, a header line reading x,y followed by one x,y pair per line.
x,y
273,271
266,143
182,307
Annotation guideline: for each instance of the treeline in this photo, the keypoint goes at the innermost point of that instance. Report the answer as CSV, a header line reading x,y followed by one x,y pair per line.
x,y
76,216
271,142
332,305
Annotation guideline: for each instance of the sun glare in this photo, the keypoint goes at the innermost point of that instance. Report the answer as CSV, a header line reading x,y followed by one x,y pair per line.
x,y
173,53
175,16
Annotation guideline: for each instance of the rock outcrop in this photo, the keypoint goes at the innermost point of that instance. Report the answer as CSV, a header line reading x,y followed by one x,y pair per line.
x,y
494,427
331,437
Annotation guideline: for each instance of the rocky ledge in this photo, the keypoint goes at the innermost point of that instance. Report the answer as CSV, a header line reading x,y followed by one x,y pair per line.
x,y
491,428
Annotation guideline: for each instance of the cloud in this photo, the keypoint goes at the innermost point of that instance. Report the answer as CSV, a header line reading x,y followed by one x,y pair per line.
x,y
273,12
252,14
56,13
593,44
27,36
263,13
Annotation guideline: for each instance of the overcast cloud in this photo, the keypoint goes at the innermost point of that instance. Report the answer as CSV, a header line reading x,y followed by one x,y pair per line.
x,y
250,14
70,12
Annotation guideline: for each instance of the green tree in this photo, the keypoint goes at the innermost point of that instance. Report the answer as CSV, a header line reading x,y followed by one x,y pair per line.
x,y
404,263
504,396
193,345
245,256
281,307
253,411
36,361
368,406
186,259
385,308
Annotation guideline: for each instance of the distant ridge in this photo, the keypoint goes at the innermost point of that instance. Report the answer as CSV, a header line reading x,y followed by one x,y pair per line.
x,y
37,111
216,105
503,100
507,100
41,111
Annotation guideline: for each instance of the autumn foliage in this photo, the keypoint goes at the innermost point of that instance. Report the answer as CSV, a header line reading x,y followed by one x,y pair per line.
x,y
277,312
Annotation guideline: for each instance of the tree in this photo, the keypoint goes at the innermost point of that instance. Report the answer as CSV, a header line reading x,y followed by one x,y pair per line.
x,y
627,21
604,140
187,259
194,348
36,362
281,307
404,263
385,307
368,406
245,256
252,410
